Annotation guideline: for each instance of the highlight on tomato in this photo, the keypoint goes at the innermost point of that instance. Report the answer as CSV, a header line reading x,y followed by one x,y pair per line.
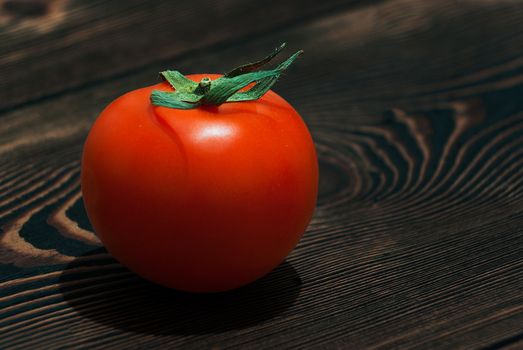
x,y
204,182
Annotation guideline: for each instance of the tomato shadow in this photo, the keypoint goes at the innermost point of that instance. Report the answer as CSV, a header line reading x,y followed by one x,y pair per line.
x,y
102,290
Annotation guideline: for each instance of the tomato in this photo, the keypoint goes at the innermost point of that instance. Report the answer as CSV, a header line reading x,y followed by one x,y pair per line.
x,y
201,200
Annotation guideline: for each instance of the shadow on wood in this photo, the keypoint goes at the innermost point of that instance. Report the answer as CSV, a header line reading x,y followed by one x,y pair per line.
x,y
132,304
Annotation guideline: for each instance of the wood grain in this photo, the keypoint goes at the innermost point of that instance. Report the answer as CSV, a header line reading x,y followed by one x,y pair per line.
x,y
60,44
416,111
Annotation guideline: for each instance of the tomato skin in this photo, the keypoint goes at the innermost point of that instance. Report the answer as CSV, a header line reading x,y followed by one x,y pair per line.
x,y
200,200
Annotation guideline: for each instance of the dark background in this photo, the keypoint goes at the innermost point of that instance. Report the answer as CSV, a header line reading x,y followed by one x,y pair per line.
x,y
416,109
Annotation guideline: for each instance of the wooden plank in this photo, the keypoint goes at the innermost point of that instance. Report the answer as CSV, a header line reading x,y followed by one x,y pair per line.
x,y
416,241
49,46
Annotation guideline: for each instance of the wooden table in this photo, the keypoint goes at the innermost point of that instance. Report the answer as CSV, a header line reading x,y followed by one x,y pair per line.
x,y
416,109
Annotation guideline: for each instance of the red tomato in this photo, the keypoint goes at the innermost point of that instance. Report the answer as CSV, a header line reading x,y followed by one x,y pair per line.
x,y
200,200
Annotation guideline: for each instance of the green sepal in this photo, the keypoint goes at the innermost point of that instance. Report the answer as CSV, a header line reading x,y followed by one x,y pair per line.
x,y
166,99
189,94
178,81
263,85
250,67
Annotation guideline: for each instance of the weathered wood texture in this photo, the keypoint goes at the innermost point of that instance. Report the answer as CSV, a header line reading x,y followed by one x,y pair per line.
x,y
416,109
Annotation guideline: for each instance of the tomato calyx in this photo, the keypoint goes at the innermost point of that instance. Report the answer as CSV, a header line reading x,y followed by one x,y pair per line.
x,y
189,94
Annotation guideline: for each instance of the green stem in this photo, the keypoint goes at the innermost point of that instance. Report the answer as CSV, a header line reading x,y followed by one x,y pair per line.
x,y
203,86
189,94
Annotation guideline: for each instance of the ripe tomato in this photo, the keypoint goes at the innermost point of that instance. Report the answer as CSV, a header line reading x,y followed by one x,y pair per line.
x,y
201,200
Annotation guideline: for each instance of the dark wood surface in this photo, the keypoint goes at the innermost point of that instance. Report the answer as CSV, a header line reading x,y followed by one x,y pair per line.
x,y
416,109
